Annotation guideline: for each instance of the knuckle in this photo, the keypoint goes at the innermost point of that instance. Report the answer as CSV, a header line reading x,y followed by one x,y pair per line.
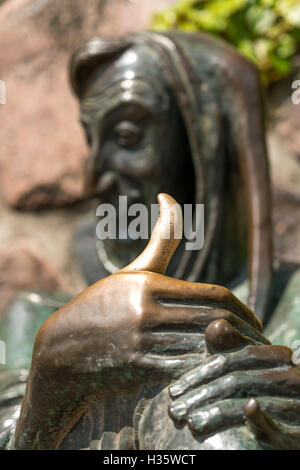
x,y
231,379
223,360
227,316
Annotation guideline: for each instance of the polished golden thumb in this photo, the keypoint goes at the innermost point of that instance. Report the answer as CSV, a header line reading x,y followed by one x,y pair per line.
x,y
164,240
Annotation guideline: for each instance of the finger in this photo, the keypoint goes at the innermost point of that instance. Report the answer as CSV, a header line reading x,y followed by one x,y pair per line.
x,y
195,294
282,409
172,343
227,413
156,256
164,240
163,366
217,366
217,417
279,382
270,432
199,318
238,385
221,336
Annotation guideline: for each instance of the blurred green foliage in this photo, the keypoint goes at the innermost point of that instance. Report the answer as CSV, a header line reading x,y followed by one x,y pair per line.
x,y
265,31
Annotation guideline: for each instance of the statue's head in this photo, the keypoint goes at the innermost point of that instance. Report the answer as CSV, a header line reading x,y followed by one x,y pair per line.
x,y
139,145
179,113
132,124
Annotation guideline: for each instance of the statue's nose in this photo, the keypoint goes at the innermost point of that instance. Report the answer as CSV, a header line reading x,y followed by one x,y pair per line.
x,y
106,182
98,181
98,176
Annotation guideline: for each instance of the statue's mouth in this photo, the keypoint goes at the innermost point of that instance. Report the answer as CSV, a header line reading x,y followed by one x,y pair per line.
x,y
121,193
110,186
105,183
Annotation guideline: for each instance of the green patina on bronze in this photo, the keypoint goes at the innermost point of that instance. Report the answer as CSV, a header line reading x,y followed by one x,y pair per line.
x,y
180,114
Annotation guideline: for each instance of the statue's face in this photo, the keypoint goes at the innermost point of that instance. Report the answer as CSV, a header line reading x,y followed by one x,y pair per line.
x,y
138,142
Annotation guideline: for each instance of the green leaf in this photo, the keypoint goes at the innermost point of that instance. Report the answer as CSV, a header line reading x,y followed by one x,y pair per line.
x,y
265,31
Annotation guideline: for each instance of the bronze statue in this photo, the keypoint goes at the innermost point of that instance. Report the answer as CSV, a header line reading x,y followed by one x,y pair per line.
x,y
163,109
146,361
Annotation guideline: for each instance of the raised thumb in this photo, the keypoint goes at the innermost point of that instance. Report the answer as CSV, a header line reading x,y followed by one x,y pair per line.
x,y
164,240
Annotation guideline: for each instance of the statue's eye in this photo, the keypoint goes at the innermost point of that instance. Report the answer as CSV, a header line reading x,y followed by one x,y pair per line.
x,y
127,134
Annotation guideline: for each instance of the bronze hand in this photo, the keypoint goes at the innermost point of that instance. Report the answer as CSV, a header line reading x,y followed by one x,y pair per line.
x,y
117,335
213,396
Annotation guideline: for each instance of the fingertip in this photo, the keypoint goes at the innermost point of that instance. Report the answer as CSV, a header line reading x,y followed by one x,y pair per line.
x,y
259,324
195,425
252,408
260,423
177,410
221,336
218,327
164,240
164,198
176,390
